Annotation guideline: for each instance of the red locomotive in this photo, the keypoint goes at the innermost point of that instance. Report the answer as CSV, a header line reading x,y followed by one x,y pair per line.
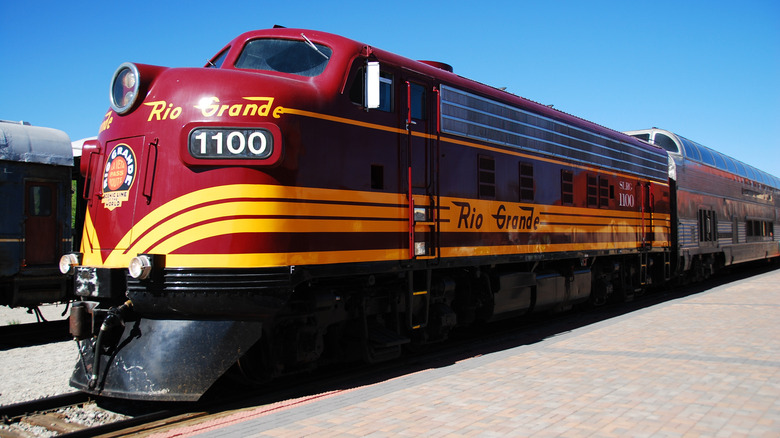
x,y
305,199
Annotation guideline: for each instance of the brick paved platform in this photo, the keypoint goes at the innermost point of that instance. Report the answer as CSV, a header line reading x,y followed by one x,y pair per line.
x,y
704,365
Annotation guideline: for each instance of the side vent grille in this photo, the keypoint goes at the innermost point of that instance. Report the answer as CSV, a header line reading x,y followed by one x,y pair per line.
x,y
212,280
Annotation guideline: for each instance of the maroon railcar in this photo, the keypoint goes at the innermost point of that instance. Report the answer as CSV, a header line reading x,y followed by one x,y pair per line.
x,y
726,211
306,198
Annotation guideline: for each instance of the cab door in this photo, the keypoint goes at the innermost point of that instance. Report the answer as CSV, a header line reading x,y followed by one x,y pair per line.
x,y
114,191
647,201
421,154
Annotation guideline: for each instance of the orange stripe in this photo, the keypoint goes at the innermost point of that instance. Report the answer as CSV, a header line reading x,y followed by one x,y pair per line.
x,y
448,140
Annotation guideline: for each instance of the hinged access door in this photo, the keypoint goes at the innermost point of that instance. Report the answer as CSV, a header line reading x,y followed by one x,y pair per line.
x,y
421,155
647,201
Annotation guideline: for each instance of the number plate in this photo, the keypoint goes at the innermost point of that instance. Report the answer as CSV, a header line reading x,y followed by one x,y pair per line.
x,y
231,143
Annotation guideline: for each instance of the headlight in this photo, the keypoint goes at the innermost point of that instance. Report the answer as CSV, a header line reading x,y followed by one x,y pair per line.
x,y
124,88
140,267
68,263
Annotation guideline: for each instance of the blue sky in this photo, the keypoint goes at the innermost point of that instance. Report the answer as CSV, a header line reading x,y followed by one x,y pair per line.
x,y
708,70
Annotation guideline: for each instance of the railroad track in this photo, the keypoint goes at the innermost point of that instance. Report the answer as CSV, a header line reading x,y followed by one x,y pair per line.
x,y
36,333
39,415
81,415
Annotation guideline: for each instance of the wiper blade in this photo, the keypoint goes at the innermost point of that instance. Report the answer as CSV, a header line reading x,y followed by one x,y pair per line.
x,y
311,44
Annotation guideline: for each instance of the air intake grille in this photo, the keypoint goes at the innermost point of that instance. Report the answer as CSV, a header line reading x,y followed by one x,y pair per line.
x,y
211,280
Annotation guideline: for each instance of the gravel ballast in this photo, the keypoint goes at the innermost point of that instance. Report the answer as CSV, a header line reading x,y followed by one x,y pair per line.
x,y
38,371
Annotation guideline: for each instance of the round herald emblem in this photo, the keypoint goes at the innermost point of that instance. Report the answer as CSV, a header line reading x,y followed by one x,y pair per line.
x,y
117,172
118,176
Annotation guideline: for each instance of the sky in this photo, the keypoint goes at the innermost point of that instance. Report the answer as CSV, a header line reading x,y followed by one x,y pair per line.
x,y
707,70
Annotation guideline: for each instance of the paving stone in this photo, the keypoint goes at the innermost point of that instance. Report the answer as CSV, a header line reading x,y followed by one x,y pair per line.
x,y
703,365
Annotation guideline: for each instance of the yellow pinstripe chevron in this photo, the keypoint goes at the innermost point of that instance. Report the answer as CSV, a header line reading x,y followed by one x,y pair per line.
x,y
212,212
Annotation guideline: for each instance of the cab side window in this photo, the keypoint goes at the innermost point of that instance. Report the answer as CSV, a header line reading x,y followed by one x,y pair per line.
x,y
417,101
357,90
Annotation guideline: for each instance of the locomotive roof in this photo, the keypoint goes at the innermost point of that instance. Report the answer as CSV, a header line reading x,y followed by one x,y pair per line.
x,y
34,144
346,49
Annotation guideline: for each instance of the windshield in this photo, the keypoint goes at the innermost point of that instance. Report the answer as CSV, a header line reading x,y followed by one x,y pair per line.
x,y
218,60
286,56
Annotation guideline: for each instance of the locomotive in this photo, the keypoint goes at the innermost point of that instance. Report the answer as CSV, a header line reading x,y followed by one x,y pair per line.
x,y
304,199
35,227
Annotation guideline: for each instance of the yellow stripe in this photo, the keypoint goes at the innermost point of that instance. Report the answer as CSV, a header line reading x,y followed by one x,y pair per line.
x,y
551,218
333,257
282,259
550,211
164,230
539,248
343,120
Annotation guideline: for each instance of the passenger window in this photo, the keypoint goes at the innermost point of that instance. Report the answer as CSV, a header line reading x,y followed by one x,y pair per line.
x,y
691,151
757,230
730,165
741,169
665,142
719,161
751,173
706,156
